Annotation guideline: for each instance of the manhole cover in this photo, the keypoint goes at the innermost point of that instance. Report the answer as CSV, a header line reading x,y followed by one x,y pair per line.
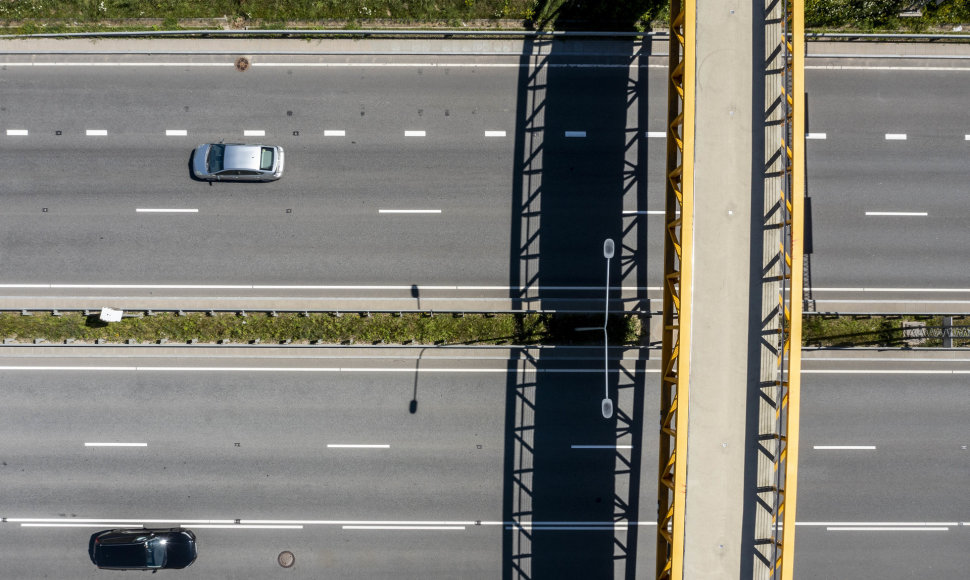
x,y
242,63
286,559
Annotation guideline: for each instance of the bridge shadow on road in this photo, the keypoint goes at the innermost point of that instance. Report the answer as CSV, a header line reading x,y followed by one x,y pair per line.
x,y
580,158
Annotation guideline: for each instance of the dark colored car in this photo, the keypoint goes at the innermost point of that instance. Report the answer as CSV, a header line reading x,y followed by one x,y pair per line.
x,y
237,162
142,549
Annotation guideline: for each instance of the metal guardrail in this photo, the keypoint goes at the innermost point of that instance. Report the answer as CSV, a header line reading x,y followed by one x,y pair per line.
x,y
877,36
658,35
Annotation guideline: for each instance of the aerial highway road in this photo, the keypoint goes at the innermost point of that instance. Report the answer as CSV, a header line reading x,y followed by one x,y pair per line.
x,y
262,450
442,171
400,171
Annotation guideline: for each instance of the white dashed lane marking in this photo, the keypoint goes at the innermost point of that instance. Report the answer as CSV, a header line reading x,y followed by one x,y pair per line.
x,y
656,134
165,210
816,135
897,213
414,133
87,444
895,136
575,133
409,211
176,132
495,133
96,132
254,133
334,133
16,132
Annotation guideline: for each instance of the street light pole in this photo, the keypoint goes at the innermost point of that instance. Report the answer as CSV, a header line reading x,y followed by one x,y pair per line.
x,y
608,249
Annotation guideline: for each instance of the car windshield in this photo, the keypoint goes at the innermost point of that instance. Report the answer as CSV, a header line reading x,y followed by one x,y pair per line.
x,y
215,157
266,159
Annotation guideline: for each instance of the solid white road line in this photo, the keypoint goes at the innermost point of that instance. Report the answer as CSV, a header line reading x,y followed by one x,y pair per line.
x,y
115,444
920,290
895,136
495,133
815,135
897,213
356,64
657,134
323,369
165,210
357,446
415,134
321,287
17,132
248,526
95,525
121,521
846,447
575,133
884,529
176,132
404,527
409,211
334,133
96,132
877,524
601,446
254,133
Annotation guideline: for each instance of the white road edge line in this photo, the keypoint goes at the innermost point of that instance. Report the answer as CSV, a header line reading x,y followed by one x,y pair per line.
x,y
898,213
92,444
17,132
884,529
575,133
328,287
415,134
404,527
357,446
334,133
96,132
895,136
334,370
249,526
254,133
816,136
409,211
74,525
846,447
176,132
164,210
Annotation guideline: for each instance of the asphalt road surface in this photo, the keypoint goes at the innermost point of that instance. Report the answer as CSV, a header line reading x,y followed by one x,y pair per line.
x,y
323,442
430,170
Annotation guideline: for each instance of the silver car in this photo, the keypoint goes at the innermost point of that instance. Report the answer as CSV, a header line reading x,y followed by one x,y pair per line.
x,y
238,162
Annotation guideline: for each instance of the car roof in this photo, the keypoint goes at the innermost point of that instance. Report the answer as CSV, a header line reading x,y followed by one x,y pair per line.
x,y
242,157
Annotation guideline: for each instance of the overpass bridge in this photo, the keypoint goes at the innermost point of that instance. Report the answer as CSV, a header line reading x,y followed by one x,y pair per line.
x,y
732,291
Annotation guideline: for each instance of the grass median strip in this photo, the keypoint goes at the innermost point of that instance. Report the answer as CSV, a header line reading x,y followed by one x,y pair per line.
x,y
323,328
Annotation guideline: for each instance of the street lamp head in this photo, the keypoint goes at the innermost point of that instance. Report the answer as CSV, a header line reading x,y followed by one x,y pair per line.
x,y
607,408
608,248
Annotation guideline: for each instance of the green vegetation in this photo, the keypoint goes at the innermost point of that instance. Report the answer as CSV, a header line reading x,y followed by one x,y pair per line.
x,y
34,16
888,331
883,15
273,11
407,328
